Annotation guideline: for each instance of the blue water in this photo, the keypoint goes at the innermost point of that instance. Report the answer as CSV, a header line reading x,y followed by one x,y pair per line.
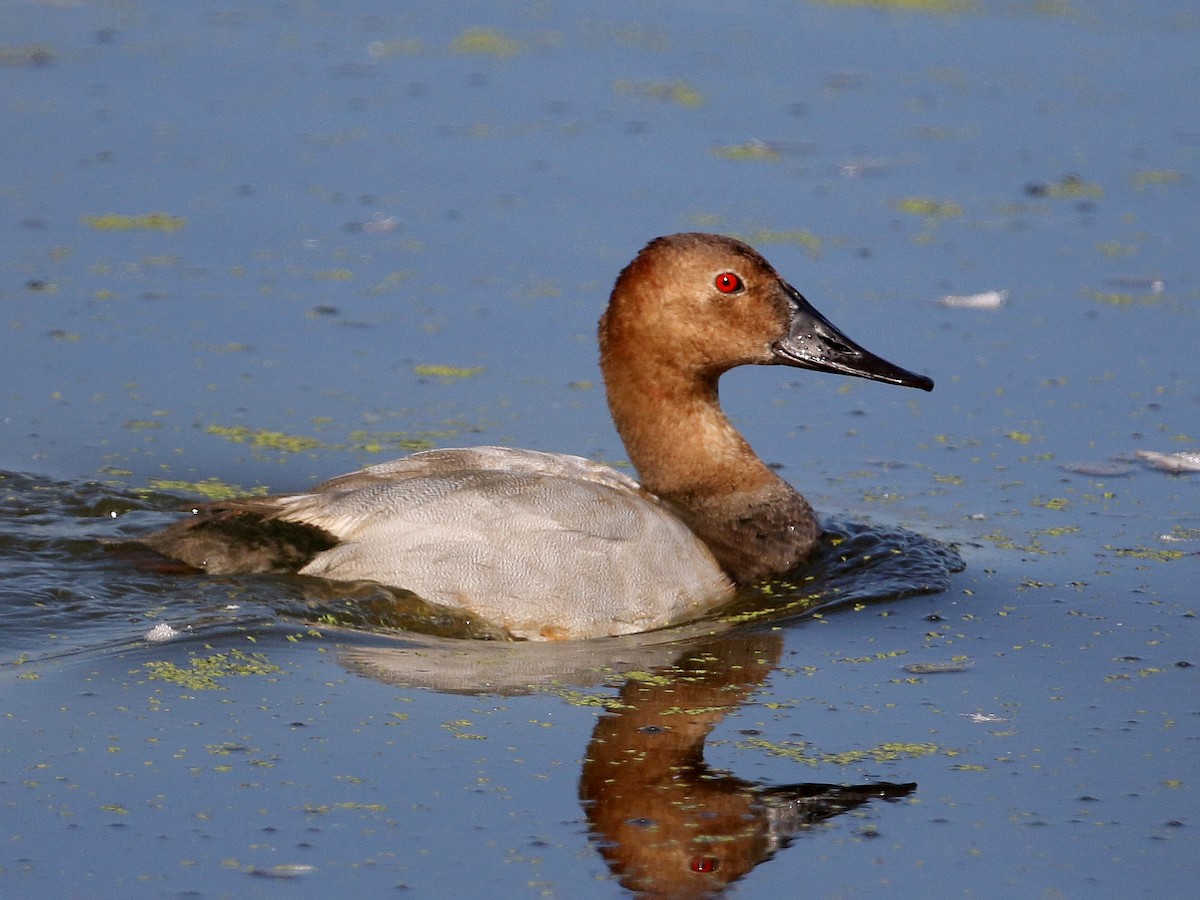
x,y
349,196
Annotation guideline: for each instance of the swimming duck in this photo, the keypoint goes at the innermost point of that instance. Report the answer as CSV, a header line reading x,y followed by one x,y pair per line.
x,y
549,546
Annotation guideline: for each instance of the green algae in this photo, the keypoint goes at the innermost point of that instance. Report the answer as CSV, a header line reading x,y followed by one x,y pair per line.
x,y
1143,180
446,373
1150,553
750,151
650,678
1051,503
372,442
205,672
211,488
321,809
1070,187
929,207
876,657
264,439
801,237
457,728
485,42
888,751
1122,298
155,221
678,92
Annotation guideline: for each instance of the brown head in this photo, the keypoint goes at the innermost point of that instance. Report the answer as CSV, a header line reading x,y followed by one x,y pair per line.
x,y
688,308
704,303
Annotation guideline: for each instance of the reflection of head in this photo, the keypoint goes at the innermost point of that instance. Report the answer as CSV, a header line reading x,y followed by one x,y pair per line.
x,y
667,824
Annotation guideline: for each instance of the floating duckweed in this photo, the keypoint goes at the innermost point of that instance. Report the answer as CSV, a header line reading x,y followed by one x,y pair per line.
x,y
155,221
939,668
677,92
932,209
485,42
270,440
204,671
334,275
885,752
212,488
1071,187
227,748
695,710
800,236
1143,180
649,678
1119,298
580,698
457,727
1154,553
1060,531
446,372
326,808
378,443
885,654
1054,503
1004,542
1032,584
1115,248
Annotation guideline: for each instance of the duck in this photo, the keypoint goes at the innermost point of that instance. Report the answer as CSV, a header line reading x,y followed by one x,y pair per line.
x,y
550,546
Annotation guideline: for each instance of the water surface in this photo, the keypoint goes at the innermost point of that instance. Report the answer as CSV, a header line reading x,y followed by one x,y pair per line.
x,y
252,247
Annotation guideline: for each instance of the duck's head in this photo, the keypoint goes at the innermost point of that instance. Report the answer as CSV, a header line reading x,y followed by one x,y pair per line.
x,y
705,303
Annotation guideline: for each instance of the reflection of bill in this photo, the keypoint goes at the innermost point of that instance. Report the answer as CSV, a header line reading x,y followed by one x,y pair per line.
x,y
666,823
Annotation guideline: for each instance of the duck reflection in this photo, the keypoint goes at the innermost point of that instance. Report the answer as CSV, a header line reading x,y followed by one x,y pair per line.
x,y
667,823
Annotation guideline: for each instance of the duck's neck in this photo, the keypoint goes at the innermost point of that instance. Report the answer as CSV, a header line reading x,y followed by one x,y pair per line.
x,y
687,452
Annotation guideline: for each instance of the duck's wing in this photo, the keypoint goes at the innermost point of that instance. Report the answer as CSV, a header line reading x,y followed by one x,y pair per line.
x,y
343,506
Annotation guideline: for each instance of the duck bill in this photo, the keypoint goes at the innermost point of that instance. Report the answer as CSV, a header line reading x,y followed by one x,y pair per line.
x,y
813,342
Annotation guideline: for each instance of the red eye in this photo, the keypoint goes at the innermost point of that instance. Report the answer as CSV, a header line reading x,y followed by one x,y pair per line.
x,y
728,283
